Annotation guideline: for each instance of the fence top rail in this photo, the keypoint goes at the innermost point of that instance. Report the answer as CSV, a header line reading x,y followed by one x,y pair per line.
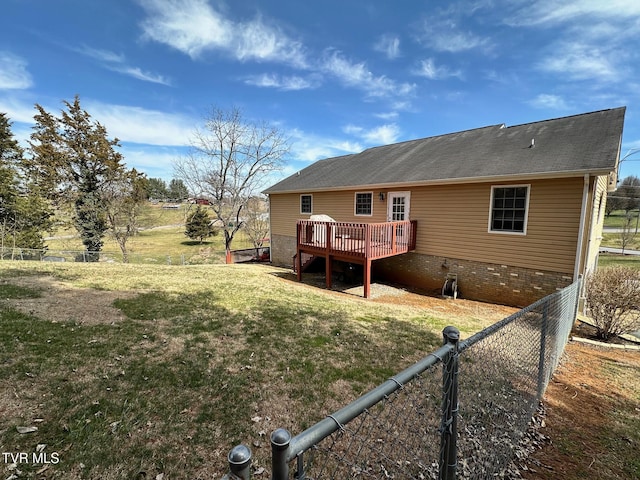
x,y
334,422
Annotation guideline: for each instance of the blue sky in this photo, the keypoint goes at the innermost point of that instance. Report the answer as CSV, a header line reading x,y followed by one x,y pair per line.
x,y
335,76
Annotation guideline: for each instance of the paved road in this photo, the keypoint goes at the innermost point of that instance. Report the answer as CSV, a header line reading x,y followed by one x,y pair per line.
x,y
619,251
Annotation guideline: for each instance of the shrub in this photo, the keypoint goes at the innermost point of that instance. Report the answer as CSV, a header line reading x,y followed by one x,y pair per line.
x,y
613,300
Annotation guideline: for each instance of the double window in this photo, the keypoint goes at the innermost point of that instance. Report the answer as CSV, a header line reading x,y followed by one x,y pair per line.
x,y
364,203
509,207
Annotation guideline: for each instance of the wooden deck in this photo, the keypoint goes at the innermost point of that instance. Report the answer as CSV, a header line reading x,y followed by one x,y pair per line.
x,y
359,243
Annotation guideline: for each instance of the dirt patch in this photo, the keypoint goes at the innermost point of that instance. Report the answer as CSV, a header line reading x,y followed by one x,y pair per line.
x,y
430,303
585,400
60,302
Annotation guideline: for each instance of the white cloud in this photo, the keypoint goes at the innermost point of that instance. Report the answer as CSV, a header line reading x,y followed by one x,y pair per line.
x,y
443,34
101,55
580,62
194,27
13,72
386,115
17,110
389,45
117,63
136,72
382,135
357,75
139,125
309,147
154,161
553,102
427,68
549,12
283,82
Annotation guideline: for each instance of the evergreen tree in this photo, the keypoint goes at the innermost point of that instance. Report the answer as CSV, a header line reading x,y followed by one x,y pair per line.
x,y
199,226
178,190
23,214
157,189
72,160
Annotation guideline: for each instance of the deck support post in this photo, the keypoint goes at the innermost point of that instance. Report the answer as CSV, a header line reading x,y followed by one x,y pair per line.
x,y
299,265
328,270
367,278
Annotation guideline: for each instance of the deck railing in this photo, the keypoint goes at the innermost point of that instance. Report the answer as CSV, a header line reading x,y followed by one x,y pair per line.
x,y
365,240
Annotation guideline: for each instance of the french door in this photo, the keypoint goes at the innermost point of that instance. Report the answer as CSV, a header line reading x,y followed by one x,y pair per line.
x,y
398,211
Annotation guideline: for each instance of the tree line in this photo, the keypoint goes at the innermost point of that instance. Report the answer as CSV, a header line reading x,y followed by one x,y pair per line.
x,y
72,169
626,197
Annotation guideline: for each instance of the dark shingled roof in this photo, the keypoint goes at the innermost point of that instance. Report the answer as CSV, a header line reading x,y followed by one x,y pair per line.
x,y
587,143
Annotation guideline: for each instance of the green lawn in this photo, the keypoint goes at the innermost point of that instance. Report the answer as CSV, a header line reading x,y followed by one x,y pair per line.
x,y
161,369
161,240
617,218
606,260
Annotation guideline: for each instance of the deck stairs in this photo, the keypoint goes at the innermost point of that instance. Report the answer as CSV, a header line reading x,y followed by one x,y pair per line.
x,y
307,261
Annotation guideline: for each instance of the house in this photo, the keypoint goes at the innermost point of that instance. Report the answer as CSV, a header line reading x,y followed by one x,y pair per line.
x,y
512,213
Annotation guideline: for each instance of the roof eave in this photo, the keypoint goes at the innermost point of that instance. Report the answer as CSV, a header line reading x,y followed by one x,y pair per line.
x,y
451,181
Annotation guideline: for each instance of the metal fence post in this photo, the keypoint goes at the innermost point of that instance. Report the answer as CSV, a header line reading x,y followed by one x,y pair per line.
x,y
239,463
280,440
543,351
449,425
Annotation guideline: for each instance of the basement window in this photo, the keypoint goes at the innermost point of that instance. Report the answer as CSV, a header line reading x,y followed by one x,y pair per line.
x,y
364,203
306,204
509,209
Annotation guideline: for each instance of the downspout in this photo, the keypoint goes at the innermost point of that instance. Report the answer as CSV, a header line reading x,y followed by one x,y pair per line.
x,y
270,235
583,212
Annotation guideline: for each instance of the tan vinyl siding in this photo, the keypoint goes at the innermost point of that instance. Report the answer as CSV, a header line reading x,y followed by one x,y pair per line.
x,y
453,221
597,218
285,209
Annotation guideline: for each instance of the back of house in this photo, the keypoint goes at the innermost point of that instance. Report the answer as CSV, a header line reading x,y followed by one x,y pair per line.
x,y
512,213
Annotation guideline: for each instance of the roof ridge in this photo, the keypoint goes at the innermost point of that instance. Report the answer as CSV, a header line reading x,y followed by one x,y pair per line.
x,y
565,117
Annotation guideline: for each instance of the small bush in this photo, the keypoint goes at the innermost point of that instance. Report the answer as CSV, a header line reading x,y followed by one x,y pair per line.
x,y
613,300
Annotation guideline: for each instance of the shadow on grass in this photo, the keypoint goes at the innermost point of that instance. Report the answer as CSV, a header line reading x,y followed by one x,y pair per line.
x,y
196,243
184,372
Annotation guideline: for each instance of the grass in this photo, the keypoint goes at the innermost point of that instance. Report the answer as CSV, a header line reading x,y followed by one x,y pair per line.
x,y
607,260
161,240
617,218
187,362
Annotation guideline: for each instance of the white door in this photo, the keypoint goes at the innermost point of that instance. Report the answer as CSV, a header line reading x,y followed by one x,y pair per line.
x,y
398,206
398,211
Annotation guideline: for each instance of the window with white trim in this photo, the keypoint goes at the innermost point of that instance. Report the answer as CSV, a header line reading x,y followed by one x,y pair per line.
x,y
509,206
364,203
306,204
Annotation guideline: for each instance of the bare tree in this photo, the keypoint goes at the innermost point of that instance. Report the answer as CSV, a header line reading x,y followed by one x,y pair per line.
x,y
627,232
123,198
230,160
256,222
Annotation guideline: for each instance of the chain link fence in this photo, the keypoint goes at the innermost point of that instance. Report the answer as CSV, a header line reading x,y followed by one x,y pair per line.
x,y
206,256
460,412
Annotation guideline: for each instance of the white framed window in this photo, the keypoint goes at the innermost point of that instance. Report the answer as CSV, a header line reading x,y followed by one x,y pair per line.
x,y
509,209
364,204
306,204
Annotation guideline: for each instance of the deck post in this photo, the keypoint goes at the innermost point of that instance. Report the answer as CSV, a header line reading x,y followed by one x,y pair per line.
x,y
367,277
328,270
298,252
